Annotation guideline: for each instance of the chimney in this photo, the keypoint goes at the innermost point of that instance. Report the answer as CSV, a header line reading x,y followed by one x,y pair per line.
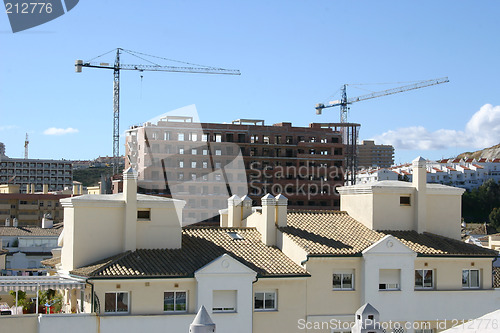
x,y
45,188
234,211
420,184
281,209
47,222
130,196
246,203
7,222
27,188
202,323
32,191
269,217
15,222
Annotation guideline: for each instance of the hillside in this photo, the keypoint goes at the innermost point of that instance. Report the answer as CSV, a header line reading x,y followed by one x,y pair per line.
x,y
91,176
492,152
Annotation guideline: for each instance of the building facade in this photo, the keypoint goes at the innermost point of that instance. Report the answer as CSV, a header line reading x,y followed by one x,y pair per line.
x,y
33,172
28,209
464,173
371,155
205,163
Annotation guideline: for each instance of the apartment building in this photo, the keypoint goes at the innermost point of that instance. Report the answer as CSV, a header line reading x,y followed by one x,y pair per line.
x,y
271,269
2,149
205,163
464,173
34,172
28,209
372,155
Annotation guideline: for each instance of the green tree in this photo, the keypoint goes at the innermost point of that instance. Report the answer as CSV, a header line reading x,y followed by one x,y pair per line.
x,y
478,203
495,218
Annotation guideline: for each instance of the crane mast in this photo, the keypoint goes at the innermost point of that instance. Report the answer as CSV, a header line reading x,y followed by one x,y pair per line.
x,y
349,133
79,64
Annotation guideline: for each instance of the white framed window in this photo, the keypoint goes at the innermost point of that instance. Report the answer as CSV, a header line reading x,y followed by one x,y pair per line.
x,y
343,281
194,151
175,301
193,164
194,137
181,164
265,301
470,278
224,301
424,279
205,152
116,302
218,152
389,279
181,151
180,137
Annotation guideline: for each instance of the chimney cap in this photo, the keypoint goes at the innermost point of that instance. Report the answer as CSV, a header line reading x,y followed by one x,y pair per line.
x,y
268,200
202,318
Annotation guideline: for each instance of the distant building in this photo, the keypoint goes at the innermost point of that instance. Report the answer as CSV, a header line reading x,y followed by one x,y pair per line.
x,y
375,175
200,162
2,149
33,172
465,173
372,155
29,208
26,247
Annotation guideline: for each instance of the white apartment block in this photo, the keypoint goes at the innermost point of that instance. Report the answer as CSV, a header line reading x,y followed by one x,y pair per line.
x,y
463,173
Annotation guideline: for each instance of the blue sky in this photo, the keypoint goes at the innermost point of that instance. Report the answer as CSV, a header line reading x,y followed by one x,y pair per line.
x,y
292,55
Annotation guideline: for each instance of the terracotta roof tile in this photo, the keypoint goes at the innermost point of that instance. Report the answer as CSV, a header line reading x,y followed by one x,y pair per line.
x,y
336,233
31,231
200,246
496,277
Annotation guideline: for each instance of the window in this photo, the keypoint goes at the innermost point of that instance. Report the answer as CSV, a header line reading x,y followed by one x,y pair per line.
x,y
181,164
224,301
470,278
343,281
404,201
144,215
181,151
218,137
180,137
194,137
265,301
389,279
116,302
193,164
175,301
194,151
423,278
218,152
205,164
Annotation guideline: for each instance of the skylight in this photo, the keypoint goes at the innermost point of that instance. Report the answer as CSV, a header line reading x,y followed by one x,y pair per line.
x,y
234,235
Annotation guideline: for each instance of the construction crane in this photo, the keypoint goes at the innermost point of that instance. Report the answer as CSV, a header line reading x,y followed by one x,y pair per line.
x,y
200,69
350,140
26,143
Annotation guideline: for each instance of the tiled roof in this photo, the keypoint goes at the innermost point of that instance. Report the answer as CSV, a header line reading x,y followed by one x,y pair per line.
x,y
328,233
431,244
31,231
200,246
496,277
450,168
437,170
477,166
51,262
336,233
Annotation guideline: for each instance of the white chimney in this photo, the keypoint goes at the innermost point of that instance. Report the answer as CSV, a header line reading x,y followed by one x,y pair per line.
x,y
246,204
419,182
130,196
45,188
281,210
269,216
7,222
47,222
15,222
234,211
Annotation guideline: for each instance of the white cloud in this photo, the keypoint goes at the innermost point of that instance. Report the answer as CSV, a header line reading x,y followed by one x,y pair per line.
x,y
59,131
481,131
7,127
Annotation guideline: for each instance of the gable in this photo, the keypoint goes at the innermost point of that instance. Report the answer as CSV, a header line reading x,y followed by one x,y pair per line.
x,y
388,245
225,264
